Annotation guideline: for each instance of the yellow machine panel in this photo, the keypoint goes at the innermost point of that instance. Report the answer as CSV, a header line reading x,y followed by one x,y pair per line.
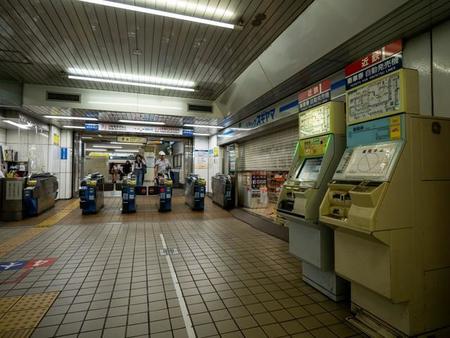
x,y
391,94
391,238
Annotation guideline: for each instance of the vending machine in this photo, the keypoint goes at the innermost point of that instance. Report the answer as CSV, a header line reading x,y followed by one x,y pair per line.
x,y
388,204
321,144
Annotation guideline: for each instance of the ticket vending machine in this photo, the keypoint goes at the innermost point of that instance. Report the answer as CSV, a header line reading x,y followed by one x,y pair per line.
x,y
388,203
322,142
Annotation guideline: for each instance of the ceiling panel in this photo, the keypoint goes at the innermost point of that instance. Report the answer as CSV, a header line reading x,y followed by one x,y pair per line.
x,y
57,34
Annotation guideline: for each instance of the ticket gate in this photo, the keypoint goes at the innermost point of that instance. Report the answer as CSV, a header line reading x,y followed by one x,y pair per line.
x,y
40,193
194,192
92,193
164,184
129,195
223,190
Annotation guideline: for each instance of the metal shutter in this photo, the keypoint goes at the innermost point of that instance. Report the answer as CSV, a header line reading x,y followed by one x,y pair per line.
x,y
271,152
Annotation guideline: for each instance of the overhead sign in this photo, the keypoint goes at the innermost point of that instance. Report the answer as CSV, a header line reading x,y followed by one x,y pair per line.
x,y
188,132
378,63
124,128
315,95
131,139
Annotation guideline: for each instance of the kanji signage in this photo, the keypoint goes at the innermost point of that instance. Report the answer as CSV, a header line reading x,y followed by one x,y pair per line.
x,y
378,63
315,95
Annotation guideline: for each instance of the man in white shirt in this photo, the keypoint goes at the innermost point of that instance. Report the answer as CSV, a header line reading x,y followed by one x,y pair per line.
x,y
162,165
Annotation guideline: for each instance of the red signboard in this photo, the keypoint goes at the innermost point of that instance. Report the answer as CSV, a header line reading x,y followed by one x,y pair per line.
x,y
314,90
377,56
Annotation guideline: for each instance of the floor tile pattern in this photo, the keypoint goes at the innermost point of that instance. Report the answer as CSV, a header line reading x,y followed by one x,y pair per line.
x,y
113,281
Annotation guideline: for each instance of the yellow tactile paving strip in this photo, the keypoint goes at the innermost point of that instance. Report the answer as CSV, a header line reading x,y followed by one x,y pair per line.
x,y
52,220
14,242
20,315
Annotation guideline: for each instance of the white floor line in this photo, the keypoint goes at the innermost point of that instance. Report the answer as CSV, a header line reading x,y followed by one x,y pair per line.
x,y
183,307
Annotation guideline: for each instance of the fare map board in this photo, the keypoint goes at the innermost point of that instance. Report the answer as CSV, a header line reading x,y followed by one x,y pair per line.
x,y
315,121
375,99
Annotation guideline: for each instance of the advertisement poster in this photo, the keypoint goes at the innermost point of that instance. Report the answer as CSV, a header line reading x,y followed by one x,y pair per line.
x,y
201,159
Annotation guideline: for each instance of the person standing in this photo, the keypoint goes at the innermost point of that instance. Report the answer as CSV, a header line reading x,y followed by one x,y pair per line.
x,y
139,169
162,165
126,168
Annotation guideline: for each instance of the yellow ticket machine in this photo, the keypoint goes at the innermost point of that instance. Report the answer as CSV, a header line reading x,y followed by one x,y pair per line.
x,y
322,142
388,203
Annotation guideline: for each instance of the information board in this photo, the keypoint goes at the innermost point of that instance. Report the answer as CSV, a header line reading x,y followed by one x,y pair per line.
x,y
315,121
375,99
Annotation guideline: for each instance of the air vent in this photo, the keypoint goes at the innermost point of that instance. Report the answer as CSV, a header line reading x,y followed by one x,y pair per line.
x,y
198,108
63,97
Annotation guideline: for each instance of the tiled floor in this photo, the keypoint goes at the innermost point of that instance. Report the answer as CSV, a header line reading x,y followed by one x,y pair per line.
x,y
114,279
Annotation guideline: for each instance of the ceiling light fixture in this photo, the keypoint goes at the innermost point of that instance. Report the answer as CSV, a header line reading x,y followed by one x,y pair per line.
x,y
142,122
79,118
126,143
162,13
129,83
156,80
202,126
139,104
200,134
96,149
19,125
126,151
73,127
106,146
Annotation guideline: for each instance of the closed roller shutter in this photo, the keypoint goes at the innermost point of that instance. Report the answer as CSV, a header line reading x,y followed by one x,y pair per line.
x,y
271,152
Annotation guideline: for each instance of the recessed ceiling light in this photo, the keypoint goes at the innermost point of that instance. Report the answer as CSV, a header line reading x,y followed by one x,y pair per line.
x,y
142,122
126,151
58,117
202,126
162,13
18,125
200,134
95,149
73,127
128,83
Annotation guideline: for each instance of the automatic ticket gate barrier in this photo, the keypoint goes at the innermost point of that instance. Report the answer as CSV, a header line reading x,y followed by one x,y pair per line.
x,y
129,195
388,203
223,190
321,144
40,193
92,193
195,191
164,184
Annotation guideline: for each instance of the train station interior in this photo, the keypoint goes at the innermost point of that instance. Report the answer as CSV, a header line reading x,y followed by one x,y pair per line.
x,y
224,168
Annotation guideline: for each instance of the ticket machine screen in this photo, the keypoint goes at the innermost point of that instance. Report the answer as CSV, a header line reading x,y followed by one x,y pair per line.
x,y
310,170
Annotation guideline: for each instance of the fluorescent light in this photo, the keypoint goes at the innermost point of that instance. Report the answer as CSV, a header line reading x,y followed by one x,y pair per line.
x,y
138,104
128,83
242,129
59,117
194,6
156,80
126,151
106,146
73,127
161,13
200,134
95,149
202,126
125,143
87,137
142,122
19,125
